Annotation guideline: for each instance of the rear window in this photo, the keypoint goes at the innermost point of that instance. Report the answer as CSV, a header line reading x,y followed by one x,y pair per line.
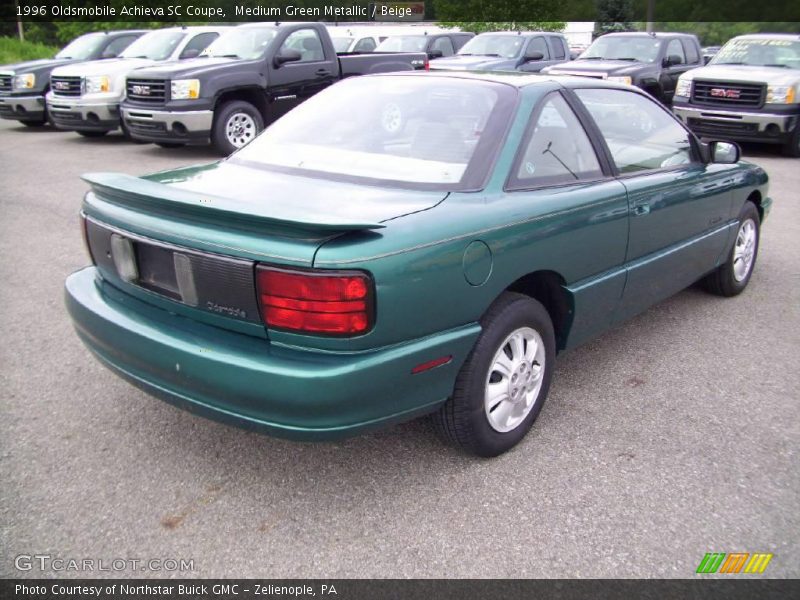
x,y
408,131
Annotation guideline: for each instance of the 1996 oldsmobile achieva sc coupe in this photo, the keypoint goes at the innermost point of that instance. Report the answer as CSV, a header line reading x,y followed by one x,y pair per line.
x,y
408,244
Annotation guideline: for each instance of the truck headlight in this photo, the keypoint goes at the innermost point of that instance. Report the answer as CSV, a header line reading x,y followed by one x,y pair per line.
x,y
626,80
185,89
97,84
25,81
684,87
781,94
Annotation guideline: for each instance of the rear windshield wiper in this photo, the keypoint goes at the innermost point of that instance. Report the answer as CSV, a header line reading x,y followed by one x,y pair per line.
x,y
627,58
592,57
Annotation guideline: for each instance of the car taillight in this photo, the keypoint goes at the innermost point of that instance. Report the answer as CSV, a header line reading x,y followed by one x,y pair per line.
x,y
324,302
427,64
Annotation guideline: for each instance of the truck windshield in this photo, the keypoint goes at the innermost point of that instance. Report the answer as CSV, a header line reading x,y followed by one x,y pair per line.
x,y
157,45
82,48
505,46
403,43
242,42
403,131
760,53
641,49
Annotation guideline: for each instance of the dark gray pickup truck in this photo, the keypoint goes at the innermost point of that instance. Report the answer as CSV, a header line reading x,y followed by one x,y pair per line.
x,y
650,61
245,80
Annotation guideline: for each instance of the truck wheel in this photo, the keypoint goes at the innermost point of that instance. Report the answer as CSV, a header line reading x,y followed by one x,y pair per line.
x,y
504,382
236,124
792,146
92,134
730,278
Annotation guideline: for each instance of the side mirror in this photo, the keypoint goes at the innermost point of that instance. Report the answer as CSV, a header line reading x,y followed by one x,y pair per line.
x,y
190,53
286,55
534,56
109,54
672,60
435,54
706,59
726,153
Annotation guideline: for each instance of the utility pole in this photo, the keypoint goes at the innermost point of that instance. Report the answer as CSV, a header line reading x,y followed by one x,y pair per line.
x,y
651,9
20,32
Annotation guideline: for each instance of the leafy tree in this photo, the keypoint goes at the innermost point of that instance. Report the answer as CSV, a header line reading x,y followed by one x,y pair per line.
x,y
613,16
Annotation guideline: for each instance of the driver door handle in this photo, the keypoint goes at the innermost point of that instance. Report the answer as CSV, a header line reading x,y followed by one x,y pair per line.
x,y
323,72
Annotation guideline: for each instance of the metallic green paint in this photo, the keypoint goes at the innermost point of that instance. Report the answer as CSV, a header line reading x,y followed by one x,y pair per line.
x,y
617,246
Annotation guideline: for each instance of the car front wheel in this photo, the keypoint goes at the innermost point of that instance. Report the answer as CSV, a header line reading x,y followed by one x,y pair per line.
x,y
502,386
730,278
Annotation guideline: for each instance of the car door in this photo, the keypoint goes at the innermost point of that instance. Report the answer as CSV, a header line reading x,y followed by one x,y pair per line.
x,y
535,44
293,82
678,204
576,213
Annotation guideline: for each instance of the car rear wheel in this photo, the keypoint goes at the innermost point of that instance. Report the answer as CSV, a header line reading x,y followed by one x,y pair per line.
x,y
502,386
792,145
236,124
730,278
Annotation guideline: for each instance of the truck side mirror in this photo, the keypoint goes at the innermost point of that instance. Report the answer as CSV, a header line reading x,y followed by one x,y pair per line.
x,y
672,59
286,55
726,153
706,59
529,56
109,54
435,54
190,53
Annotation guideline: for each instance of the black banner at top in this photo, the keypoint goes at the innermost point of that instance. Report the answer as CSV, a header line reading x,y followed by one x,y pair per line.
x,y
389,10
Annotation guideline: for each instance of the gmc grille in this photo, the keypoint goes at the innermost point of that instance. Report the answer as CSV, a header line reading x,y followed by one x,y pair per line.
x,y
721,93
148,91
6,80
69,87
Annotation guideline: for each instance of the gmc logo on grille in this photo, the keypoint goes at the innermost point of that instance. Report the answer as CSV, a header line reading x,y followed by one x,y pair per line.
x,y
61,85
723,93
141,90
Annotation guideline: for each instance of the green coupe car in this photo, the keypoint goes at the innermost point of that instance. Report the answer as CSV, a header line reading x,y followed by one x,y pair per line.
x,y
408,244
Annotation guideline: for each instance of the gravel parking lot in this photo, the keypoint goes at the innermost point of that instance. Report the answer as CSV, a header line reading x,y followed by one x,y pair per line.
x,y
672,436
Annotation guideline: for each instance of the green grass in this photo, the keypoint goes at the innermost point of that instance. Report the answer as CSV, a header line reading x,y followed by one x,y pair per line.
x,y
13,51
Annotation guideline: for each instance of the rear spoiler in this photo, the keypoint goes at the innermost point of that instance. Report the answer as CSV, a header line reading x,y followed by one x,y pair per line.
x,y
135,192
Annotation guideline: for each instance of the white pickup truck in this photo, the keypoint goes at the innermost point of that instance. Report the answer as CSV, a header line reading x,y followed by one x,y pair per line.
x,y
85,97
749,91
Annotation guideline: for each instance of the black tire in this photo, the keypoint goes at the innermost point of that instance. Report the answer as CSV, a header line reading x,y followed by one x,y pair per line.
x,y
724,280
792,146
464,418
170,145
224,113
92,134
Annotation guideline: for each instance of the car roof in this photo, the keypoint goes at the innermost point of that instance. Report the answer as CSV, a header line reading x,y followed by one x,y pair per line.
x,y
655,34
769,36
520,33
516,79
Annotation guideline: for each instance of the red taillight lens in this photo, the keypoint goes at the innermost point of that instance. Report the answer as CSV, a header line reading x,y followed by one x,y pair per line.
x,y
326,302
427,64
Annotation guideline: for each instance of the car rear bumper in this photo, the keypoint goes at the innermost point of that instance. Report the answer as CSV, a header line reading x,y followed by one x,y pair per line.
x,y
22,108
190,126
249,382
77,116
774,127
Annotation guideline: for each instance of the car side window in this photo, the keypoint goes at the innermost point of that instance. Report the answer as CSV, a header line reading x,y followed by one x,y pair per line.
x,y
366,44
445,45
640,134
197,44
675,48
307,43
692,55
538,44
117,45
556,149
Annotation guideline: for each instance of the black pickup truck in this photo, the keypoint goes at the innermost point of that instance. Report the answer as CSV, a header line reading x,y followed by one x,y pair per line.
x,y
651,61
244,81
